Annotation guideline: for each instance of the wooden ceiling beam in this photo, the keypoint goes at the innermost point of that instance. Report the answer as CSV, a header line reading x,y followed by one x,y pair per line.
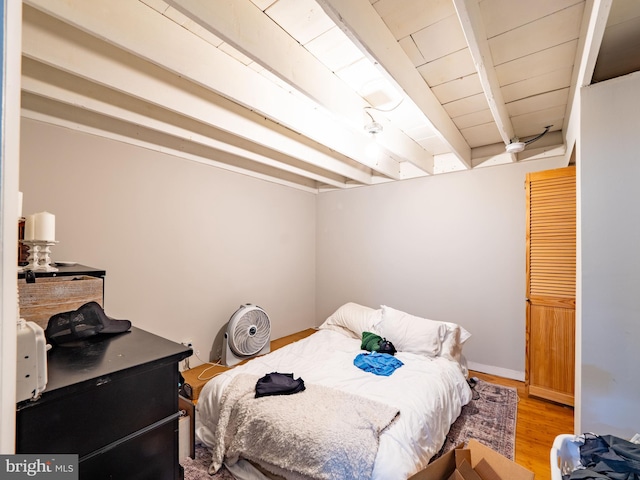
x,y
50,42
474,31
63,115
591,34
40,81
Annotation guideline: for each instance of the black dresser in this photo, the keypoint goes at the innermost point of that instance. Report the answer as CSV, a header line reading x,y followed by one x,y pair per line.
x,y
114,402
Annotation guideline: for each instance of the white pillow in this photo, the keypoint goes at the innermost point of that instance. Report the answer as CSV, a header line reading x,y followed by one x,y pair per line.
x,y
444,339
453,341
409,333
352,319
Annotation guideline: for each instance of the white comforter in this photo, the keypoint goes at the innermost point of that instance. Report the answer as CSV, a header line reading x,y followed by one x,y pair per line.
x,y
428,392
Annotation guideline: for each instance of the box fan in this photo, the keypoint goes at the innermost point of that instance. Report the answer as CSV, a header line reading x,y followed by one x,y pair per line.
x,y
248,334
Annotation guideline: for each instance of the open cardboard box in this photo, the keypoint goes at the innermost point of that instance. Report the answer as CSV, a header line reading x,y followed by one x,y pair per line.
x,y
473,462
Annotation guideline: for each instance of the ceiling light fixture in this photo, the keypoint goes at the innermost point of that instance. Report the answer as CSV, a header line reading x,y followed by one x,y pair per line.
x,y
516,146
372,127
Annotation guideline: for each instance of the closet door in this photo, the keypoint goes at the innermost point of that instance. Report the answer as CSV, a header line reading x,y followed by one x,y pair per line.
x,y
551,284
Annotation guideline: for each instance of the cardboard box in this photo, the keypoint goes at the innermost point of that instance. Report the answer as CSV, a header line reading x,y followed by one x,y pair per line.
x,y
473,462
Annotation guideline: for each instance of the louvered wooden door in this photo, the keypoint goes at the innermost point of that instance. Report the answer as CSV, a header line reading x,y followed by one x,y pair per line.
x,y
551,284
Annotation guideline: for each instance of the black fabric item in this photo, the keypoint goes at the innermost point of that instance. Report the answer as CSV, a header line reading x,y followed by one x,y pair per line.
x,y
73,327
278,384
372,342
386,347
609,457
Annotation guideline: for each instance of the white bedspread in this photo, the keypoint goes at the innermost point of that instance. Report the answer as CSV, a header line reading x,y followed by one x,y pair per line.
x,y
339,431
428,392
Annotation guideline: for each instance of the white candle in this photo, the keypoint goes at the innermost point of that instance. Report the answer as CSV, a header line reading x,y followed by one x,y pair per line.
x,y
19,205
30,227
45,228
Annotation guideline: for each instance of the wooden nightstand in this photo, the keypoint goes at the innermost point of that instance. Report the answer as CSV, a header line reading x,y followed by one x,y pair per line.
x,y
198,376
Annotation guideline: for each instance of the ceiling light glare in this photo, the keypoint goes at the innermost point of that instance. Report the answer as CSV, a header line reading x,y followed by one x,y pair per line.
x,y
373,128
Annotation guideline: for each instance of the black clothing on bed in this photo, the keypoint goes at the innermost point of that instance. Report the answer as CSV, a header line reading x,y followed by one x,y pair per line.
x,y
278,384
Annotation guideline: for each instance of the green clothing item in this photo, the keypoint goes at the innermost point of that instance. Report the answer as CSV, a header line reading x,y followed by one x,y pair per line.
x,y
370,342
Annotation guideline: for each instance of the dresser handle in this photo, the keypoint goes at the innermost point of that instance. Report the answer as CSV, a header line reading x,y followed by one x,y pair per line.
x,y
102,381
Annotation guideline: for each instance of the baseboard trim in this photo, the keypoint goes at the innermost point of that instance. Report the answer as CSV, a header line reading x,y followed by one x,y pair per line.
x,y
498,371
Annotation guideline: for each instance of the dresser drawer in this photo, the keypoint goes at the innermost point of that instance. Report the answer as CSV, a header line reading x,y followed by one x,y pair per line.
x,y
107,409
150,455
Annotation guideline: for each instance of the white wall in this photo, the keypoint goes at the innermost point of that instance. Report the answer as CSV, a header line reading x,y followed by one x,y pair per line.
x,y
608,172
449,247
183,244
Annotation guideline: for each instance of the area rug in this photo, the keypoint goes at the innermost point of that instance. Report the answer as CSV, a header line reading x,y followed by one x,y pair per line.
x,y
490,418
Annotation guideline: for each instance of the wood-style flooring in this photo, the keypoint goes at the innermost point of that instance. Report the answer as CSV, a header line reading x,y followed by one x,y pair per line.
x,y
538,424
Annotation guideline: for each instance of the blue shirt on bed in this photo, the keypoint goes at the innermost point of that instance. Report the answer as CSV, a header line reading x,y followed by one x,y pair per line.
x,y
378,363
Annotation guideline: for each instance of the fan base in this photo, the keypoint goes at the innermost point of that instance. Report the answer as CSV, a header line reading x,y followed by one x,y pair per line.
x,y
230,359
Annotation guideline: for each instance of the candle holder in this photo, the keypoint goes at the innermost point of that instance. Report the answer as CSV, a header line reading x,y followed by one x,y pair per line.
x,y
39,256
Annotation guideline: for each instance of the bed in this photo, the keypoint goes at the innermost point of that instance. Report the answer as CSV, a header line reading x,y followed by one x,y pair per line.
x,y
395,423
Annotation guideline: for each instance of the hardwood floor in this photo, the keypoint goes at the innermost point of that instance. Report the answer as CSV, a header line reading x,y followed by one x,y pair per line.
x,y
538,424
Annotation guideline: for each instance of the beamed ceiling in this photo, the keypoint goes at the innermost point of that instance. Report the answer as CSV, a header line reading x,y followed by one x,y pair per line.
x,y
282,89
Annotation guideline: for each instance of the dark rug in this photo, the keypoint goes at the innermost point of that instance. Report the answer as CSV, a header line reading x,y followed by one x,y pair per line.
x,y
490,418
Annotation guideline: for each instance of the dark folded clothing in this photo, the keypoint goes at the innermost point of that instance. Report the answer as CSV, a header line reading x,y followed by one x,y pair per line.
x,y
278,384
608,457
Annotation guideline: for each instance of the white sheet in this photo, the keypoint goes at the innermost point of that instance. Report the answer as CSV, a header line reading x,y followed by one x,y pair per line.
x,y
429,392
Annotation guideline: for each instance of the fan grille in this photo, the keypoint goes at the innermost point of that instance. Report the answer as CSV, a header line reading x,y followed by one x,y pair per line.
x,y
250,332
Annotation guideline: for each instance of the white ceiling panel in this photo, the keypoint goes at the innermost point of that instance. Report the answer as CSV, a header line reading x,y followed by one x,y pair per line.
x,y
556,80
440,39
405,17
483,134
539,102
546,32
480,117
467,105
411,50
445,69
534,122
461,87
263,4
501,16
304,20
334,49
545,61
